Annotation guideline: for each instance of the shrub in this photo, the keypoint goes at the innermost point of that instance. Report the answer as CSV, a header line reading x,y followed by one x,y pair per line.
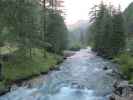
x,y
126,62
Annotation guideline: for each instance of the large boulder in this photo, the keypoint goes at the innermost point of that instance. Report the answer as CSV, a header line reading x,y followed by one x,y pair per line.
x,y
121,88
68,53
122,91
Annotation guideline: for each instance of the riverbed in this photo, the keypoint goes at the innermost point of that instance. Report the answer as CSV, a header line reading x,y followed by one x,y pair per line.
x,y
81,77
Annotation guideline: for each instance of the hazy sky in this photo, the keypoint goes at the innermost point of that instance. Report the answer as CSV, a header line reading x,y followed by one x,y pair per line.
x,y
79,9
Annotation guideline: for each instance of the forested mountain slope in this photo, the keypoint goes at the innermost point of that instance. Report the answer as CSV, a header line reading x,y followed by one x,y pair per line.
x,y
128,14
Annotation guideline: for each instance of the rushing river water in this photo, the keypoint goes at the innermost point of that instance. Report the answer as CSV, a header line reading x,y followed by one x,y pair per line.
x,y
81,77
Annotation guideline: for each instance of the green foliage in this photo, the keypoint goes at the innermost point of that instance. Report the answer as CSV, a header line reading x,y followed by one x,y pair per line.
x,y
20,20
21,68
131,81
108,31
27,24
56,32
126,62
128,15
118,35
27,29
129,45
2,85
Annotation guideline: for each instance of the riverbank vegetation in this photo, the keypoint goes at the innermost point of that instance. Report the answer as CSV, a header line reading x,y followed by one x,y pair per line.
x,y
125,59
23,68
33,36
112,35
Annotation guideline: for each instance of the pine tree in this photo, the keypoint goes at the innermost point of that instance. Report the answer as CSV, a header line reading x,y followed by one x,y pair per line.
x,y
24,23
118,36
108,29
57,32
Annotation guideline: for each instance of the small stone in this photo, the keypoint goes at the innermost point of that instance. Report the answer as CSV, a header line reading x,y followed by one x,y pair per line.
x,y
105,68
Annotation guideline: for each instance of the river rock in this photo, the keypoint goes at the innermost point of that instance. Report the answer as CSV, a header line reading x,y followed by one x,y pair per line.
x,y
3,91
68,53
105,68
122,91
121,88
14,87
116,97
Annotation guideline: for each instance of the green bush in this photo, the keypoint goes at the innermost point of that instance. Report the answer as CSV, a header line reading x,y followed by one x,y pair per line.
x,y
23,67
131,81
126,62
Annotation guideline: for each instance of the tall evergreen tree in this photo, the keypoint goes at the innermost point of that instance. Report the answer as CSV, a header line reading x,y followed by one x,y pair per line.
x,y
108,29
24,23
118,35
57,32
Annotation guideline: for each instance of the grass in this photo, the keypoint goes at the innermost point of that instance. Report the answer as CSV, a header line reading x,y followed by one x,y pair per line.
x,y
23,67
7,49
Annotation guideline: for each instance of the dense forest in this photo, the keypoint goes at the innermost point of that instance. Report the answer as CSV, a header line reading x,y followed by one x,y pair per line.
x,y
108,30
25,24
110,35
32,36
128,16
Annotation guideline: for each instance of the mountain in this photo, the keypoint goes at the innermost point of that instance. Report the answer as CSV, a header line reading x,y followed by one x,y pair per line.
x,y
79,24
128,15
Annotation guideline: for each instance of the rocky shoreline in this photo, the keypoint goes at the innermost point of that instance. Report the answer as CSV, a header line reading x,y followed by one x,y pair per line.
x,y
122,91
33,80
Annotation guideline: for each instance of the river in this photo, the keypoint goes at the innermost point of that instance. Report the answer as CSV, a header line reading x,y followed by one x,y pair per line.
x,y
81,77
